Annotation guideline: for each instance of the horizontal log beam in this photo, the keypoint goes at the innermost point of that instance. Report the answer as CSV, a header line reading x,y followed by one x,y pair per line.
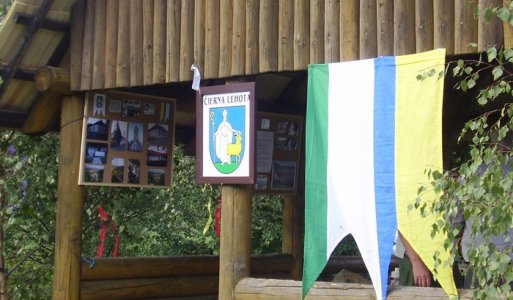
x,y
151,267
25,19
145,288
56,80
262,289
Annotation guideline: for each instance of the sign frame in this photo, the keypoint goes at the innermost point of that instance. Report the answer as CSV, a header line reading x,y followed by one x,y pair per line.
x,y
217,107
278,150
127,140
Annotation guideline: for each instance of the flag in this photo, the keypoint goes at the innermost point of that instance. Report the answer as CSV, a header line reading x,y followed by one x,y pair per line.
x,y
373,129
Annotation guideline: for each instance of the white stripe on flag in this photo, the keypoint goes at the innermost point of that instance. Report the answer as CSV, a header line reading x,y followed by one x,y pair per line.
x,y
351,201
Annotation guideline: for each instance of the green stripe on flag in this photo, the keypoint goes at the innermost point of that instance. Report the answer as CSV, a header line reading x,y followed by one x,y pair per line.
x,y
316,179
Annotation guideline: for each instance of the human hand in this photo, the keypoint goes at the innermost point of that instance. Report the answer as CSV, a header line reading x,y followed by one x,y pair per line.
x,y
421,274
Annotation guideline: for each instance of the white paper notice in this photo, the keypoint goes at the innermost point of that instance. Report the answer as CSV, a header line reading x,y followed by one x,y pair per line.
x,y
264,151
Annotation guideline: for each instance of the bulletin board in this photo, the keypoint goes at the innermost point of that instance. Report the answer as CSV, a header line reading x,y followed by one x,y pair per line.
x,y
127,140
278,148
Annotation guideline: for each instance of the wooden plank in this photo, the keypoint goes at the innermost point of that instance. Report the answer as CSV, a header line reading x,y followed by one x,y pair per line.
x,y
252,36
443,11
173,266
212,39
489,33
88,47
465,27
385,27
286,35
316,31
186,40
301,34
350,30
136,43
70,203
24,43
76,48
145,288
238,37
199,33
111,43
368,27
404,27
225,37
332,31
123,50
268,37
253,288
98,81
147,42
424,24
234,257
159,41
43,113
508,29
173,41
50,78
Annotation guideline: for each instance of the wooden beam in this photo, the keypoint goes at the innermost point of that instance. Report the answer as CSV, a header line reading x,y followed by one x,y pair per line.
x,y
25,19
25,43
21,73
176,266
235,246
70,203
144,288
262,289
50,78
43,113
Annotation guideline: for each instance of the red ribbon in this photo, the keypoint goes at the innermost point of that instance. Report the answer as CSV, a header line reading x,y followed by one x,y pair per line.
x,y
103,216
217,223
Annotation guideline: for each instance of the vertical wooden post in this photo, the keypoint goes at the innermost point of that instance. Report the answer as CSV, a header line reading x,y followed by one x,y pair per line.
x,y
350,30
234,256
70,203
317,31
424,25
443,21
292,241
465,27
332,31
489,33
385,30
368,26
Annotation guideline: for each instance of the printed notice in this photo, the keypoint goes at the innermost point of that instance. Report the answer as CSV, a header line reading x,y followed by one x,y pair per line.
x,y
264,151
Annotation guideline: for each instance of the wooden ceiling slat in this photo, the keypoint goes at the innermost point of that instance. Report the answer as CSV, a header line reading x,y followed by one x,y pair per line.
x,y
136,43
225,38
111,43
212,43
88,46
199,33
99,45
186,40
159,44
239,37
76,44
172,41
25,43
147,41
123,49
252,33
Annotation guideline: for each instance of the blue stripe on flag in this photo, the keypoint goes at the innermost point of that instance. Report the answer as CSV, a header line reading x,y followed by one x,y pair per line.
x,y
384,161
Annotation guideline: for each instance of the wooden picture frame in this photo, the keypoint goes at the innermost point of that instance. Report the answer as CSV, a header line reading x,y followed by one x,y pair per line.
x,y
127,140
225,134
278,148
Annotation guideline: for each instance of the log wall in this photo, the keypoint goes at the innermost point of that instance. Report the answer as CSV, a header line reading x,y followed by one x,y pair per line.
x,y
132,43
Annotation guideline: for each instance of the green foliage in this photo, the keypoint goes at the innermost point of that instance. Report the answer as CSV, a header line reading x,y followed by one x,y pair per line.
x,y
150,222
29,170
482,189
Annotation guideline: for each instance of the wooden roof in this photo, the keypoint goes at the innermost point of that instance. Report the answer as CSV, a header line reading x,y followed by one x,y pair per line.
x,y
34,33
149,46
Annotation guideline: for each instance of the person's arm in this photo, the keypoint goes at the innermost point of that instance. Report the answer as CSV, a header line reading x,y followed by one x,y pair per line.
x,y
421,274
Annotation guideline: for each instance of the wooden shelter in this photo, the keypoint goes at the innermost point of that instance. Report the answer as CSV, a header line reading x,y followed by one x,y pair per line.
x,y
54,51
